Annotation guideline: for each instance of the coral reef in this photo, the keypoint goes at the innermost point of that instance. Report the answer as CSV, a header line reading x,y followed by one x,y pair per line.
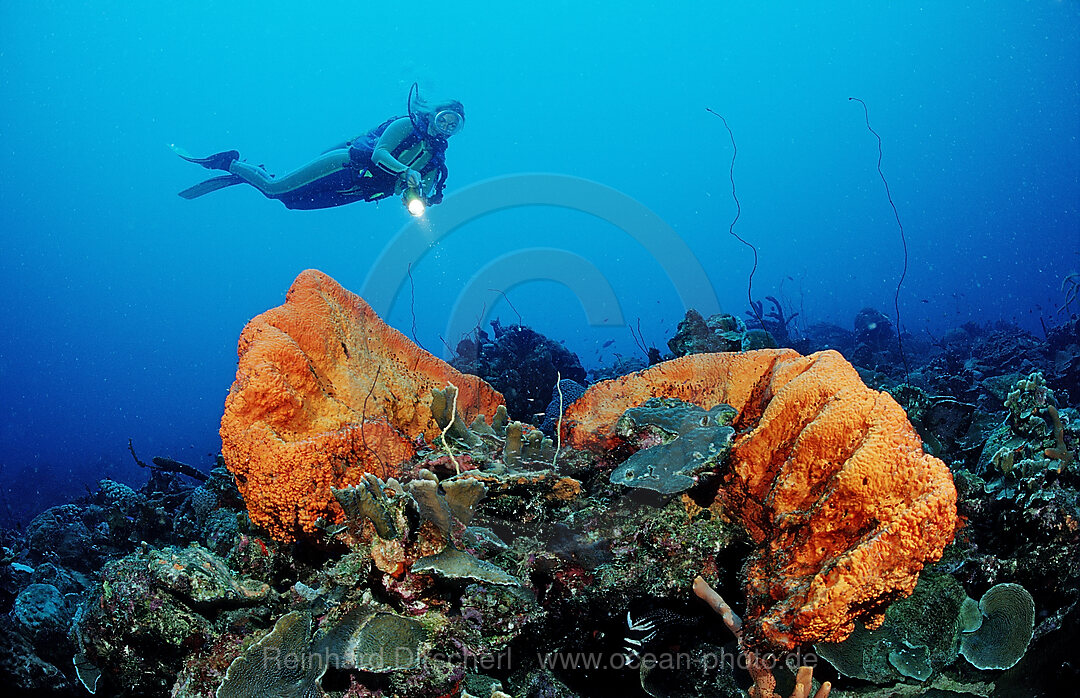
x,y
520,363
481,561
828,477
775,322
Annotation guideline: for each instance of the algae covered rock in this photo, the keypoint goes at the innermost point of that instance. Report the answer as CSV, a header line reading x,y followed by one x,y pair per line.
x,y
151,608
200,577
135,630
60,533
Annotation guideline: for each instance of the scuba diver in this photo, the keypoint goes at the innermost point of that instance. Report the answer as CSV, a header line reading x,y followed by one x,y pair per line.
x,y
403,155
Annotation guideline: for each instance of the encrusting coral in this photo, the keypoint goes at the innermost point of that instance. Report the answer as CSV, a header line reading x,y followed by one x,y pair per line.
x,y
326,391
1005,631
827,476
683,441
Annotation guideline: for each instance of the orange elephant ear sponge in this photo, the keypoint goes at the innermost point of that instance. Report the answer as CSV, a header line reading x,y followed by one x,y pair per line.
x,y
828,477
326,391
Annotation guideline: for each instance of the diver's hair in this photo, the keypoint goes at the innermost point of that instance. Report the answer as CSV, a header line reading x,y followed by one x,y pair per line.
x,y
424,110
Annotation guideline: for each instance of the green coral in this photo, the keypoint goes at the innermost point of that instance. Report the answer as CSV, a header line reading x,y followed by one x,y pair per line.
x,y
454,564
375,642
368,500
925,633
279,664
518,444
1008,621
919,636
1026,403
692,441
290,661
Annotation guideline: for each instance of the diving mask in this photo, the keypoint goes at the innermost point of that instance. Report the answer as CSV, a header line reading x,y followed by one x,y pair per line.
x,y
448,122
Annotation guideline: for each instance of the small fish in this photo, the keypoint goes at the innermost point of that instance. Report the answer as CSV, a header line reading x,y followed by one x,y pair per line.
x,y
638,632
607,344
924,300
645,628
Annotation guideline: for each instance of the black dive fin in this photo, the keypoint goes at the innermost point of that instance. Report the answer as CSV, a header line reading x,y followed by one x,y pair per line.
x,y
217,161
183,153
211,185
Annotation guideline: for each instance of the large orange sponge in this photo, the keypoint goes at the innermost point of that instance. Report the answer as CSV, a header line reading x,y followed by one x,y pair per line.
x,y
828,477
326,391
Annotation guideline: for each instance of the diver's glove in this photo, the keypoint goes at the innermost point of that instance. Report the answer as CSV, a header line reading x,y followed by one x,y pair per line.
x,y
411,178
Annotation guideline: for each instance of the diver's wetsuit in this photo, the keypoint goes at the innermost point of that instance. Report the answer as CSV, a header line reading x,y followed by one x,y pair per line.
x,y
346,173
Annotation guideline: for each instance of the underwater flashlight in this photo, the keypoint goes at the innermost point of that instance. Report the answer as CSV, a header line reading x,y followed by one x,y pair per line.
x,y
414,202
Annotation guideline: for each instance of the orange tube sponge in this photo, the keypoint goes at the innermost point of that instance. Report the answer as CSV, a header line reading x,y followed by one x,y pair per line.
x,y
326,391
828,477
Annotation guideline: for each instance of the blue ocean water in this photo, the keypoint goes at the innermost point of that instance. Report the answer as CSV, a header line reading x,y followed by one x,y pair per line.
x,y
123,302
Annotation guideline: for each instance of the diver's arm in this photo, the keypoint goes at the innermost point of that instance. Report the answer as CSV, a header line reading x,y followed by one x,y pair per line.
x,y
391,138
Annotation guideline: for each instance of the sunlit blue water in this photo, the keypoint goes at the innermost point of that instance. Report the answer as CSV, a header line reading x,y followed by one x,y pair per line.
x,y
123,302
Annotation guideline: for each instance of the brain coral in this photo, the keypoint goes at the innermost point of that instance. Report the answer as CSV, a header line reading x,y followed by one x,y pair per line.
x,y
828,477
326,391
40,606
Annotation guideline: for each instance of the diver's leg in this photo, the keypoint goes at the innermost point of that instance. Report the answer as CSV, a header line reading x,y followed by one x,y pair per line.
x,y
255,176
275,187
